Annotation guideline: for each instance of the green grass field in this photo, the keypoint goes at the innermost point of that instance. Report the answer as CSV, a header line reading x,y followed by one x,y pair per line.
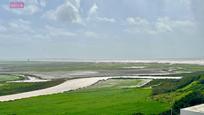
x,y
93,100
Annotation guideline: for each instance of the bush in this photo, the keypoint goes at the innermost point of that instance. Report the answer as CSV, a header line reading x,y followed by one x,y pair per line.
x,y
172,85
201,80
191,99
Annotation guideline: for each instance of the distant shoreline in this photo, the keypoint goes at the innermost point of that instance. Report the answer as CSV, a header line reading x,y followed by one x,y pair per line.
x,y
170,61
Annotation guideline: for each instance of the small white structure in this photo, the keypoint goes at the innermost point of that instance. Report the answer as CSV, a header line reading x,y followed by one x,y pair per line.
x,y
193,110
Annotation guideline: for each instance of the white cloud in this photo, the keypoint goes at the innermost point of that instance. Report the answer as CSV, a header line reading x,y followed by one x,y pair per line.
x,y
93,9
187,3
67,12
23,29
76,3
2,28
165,24
198,11
55,32
43,3
32,9
138,24
161,25
137,21
106,19
19,26
50,15
93,15
16,29
90,34
23,21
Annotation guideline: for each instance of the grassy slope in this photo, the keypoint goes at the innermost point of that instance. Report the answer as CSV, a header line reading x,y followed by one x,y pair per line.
x,y
191,94
93,100
180,93
163,86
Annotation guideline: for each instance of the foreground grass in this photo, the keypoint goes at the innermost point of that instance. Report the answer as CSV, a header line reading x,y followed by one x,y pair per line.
x,y
93,100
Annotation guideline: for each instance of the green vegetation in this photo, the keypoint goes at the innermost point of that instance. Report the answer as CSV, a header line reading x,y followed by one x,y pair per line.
x,y
71,66
116,83
5,77
7,88
189,95
164,86
12,88
63,66
111,99
193,98
115,96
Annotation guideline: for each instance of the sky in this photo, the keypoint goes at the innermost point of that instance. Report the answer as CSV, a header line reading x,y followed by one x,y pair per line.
x,y
102,29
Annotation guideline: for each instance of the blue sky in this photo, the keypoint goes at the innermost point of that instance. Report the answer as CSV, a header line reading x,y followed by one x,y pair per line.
x,y
102,29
